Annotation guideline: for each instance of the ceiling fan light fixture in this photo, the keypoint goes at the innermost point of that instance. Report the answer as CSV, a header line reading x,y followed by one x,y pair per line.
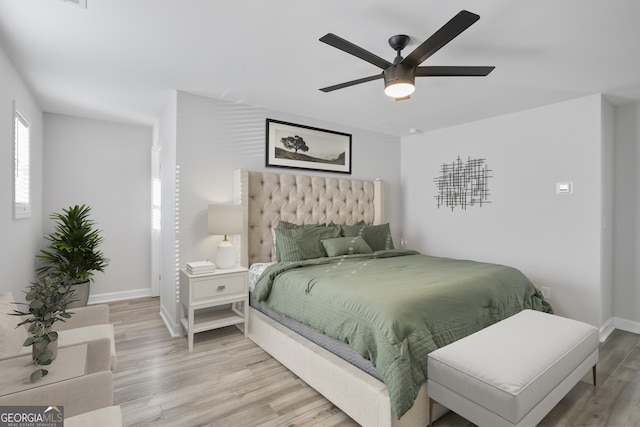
x,y
399,89
399,80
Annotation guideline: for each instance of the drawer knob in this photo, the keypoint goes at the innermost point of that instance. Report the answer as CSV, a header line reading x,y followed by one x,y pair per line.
x,y
221,287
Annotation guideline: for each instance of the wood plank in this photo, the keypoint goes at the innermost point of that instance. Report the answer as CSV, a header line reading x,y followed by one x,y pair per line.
x,y
229,381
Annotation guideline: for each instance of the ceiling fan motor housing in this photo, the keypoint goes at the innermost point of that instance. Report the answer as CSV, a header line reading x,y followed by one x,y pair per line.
x,y
399,73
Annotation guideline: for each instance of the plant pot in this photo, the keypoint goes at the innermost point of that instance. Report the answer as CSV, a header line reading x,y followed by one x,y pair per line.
x,y
53,346
80,295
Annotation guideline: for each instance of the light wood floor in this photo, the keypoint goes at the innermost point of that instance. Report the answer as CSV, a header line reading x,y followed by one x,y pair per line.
x,y
229,381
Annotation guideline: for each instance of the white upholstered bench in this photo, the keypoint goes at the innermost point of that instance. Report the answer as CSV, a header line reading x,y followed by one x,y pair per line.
x,y
515,371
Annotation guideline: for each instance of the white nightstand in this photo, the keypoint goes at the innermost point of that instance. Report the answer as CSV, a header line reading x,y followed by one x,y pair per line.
x,y
204,291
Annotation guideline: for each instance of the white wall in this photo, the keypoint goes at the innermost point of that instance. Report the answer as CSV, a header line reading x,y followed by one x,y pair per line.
x,y
166,130
20,238
105,165
217,137
554,239
626,292
607,211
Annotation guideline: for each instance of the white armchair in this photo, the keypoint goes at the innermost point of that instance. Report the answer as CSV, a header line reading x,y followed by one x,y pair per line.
x,y
87,325
87,400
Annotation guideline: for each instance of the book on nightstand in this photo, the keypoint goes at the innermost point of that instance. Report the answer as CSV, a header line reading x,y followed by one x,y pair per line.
x,y
200,267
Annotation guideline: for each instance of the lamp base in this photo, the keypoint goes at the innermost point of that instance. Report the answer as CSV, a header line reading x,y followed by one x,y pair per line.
x,y
226,256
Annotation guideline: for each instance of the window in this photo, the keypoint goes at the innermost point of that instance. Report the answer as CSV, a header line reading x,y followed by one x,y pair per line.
x,y
21,162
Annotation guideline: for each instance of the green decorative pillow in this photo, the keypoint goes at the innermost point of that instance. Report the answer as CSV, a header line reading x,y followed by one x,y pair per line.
x,y
352,230
297,244
378,237
285,225
280,226
346,246
287,248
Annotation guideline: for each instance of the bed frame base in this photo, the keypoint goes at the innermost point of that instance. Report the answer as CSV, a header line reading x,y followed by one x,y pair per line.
x,y
356,393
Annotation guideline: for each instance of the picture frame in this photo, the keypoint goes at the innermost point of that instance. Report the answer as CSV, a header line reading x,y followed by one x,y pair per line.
x,y
290,145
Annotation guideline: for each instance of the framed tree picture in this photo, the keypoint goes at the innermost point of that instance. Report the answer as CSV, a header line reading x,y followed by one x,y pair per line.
x,y
303,147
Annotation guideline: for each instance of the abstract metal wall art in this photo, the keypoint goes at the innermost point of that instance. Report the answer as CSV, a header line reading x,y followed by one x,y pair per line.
x,y
462,184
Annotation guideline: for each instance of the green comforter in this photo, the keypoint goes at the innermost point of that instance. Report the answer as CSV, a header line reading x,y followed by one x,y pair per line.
x,y
394,307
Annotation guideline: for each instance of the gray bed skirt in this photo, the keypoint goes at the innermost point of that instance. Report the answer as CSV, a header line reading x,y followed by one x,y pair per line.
x,y
337,347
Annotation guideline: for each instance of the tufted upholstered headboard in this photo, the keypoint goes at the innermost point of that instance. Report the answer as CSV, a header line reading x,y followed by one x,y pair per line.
x,y
268,198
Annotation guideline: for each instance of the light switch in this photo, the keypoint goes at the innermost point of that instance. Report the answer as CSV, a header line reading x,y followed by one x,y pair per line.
x,y
564,187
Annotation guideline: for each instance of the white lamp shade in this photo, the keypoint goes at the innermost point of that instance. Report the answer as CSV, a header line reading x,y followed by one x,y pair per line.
x,y
225,219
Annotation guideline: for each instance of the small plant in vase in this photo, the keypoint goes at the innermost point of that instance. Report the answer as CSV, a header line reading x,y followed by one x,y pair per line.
x,y
46,300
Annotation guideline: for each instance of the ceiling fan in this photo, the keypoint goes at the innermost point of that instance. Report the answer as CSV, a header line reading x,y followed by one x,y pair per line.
x,y
399,76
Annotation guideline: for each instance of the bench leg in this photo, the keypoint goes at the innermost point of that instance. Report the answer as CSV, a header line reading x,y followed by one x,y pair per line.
x,y
594,375
431,412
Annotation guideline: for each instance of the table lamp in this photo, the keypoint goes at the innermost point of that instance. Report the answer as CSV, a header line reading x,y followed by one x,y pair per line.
x,y
225,220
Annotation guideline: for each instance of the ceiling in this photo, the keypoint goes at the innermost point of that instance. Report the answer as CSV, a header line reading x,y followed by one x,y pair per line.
x,y
122,59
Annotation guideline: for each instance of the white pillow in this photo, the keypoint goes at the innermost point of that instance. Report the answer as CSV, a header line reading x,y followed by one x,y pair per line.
x,y
11,338
255,271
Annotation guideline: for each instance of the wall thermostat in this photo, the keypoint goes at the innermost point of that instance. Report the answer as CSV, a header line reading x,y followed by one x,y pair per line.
x,y
564,187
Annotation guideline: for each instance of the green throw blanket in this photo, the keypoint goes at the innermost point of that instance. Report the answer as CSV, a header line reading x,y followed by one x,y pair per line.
x,y
396,306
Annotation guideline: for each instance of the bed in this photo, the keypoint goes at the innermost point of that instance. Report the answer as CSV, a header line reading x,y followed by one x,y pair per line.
x,y
271,199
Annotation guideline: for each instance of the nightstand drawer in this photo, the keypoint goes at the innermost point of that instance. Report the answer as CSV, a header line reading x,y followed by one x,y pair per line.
x,y
218,287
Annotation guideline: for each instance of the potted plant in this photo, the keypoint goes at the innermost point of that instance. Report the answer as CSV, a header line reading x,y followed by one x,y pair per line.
x,y
47,301
73,251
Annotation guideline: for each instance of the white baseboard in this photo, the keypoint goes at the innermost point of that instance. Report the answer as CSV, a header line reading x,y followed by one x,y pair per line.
x,y
118,296
626,325
618,323
174,330
606,329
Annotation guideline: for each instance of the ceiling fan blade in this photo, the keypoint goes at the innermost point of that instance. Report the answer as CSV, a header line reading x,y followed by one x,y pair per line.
x,y
351,83
463,20
452,71
347,46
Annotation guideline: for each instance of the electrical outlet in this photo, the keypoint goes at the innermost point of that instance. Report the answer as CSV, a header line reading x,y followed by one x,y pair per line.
x,y
546,292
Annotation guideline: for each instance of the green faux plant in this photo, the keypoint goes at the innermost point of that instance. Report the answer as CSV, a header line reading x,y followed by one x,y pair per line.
x,y
46,300
73,251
